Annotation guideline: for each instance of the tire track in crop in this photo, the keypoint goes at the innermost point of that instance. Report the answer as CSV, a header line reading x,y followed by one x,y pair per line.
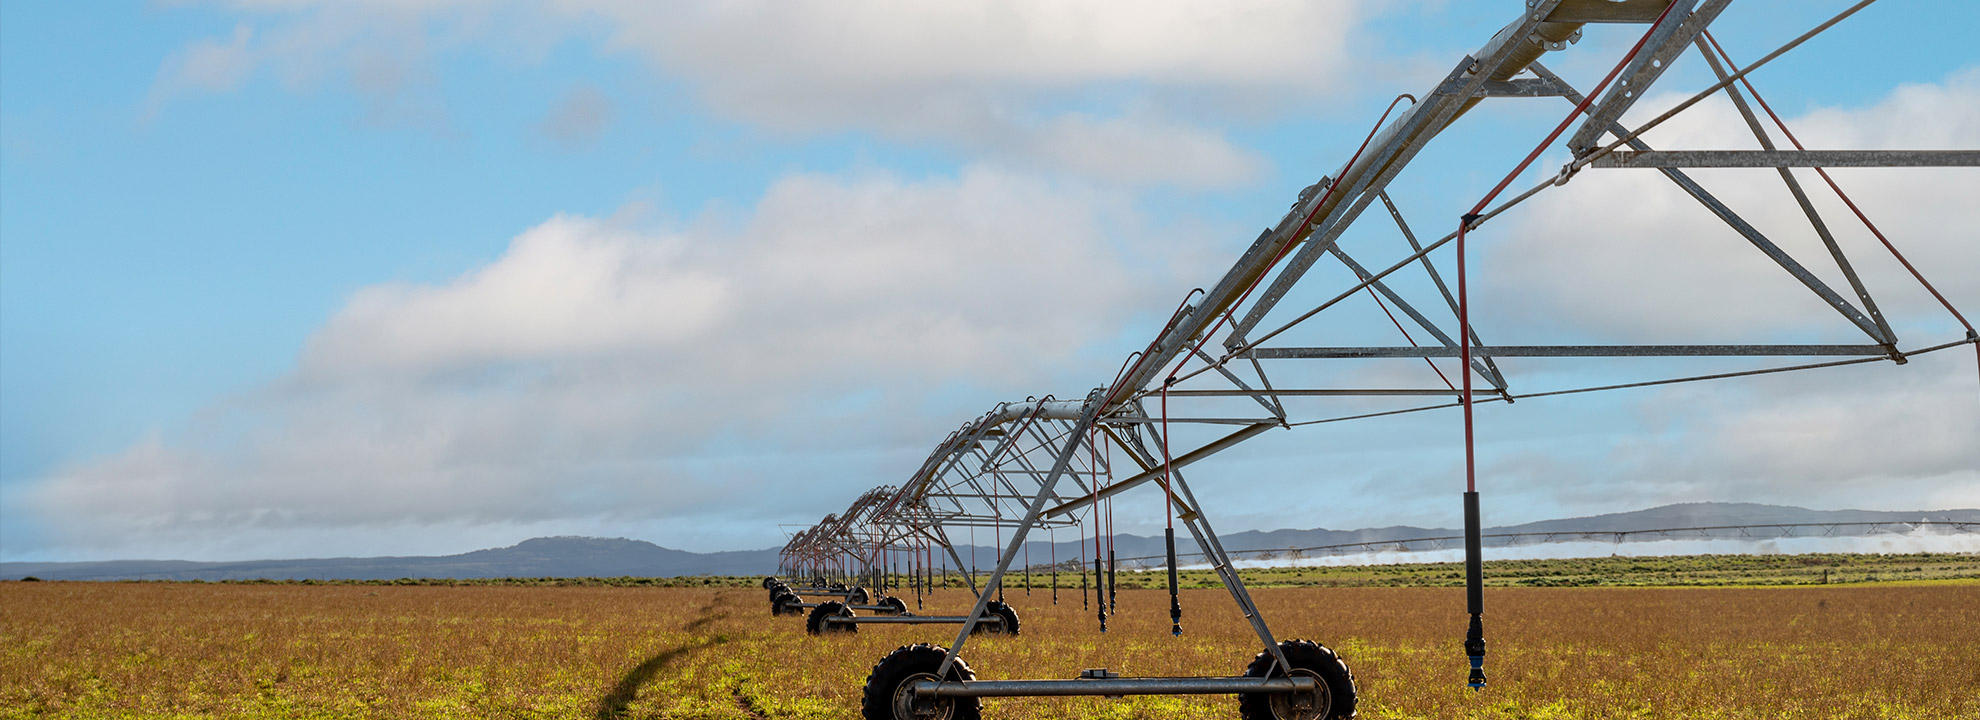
x,y
614,704
742,701
748,707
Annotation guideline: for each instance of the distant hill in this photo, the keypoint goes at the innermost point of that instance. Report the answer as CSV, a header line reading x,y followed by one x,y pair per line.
x,y
539,557
615,557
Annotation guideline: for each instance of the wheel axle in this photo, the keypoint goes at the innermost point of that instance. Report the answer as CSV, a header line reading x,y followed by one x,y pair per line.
x,y
1117,686
914,619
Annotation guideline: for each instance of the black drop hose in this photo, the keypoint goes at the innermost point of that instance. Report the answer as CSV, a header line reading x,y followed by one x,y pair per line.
x,y
1098,602
1082,588
1474,583
1175,601
1113,589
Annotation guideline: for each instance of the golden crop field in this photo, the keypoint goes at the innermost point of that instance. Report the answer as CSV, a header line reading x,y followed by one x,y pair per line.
x,y
165,650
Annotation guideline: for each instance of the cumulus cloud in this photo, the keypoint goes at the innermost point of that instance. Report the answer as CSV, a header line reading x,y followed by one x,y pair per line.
x,y
816,276
1135,151
1105,89
880,48
970,71
691,373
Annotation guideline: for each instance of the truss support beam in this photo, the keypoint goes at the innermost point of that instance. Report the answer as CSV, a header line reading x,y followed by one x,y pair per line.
x,y
1060,464
1608,11
961,567
1220,562
1191,513
1271,405
1513,50
1498,380
1807,207
1477,364
1517,87
1664,45
1179,461
1328,392
1505,55
1746,230
1405,138
1567,351
1787,158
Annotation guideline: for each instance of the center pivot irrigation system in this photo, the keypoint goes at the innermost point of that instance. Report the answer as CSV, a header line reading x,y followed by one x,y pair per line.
x,y
1050,465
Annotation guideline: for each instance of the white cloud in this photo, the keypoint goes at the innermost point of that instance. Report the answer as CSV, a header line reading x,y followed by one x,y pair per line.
x,y
842,60
687,376
1133,151
569,285
1265,44
826,272
993,75
1111,90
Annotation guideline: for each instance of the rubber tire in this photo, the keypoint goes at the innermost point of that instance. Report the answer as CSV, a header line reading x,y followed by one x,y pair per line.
x,y
769,581
894,605
780,592
1009,615
838,587
815,623
877,700
1304,655
858,596
785,605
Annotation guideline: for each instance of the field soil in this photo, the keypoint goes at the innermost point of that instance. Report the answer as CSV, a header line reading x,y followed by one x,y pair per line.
x,y
116,650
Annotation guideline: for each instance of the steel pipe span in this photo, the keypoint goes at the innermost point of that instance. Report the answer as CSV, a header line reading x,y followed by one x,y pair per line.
x,y
909,620
1116,686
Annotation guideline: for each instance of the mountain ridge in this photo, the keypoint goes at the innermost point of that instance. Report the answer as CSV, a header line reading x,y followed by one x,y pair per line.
x,y
578,556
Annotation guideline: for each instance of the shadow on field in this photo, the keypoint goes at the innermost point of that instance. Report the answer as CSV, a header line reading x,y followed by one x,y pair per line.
x,y
613,705
708,615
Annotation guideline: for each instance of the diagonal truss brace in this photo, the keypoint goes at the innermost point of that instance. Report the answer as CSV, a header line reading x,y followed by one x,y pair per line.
x,y
1746,230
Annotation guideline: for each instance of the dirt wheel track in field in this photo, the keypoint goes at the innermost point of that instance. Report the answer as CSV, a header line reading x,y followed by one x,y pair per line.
x,y
748,707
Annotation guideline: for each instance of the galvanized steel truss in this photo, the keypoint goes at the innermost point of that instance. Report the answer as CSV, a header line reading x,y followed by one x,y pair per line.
x,y
1046,463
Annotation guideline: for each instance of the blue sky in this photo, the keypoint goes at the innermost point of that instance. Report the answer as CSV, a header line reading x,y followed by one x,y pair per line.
x,y
302,278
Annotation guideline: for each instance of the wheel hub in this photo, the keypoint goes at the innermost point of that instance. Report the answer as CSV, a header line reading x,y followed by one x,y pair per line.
x,y
909,707
1312,705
